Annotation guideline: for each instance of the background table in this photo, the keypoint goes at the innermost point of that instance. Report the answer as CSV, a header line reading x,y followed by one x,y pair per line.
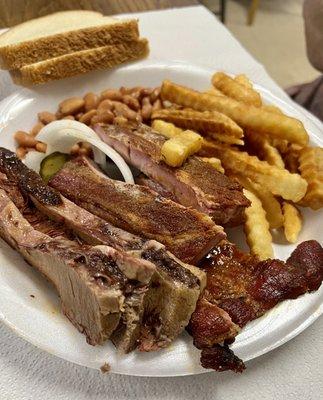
x,y
293,371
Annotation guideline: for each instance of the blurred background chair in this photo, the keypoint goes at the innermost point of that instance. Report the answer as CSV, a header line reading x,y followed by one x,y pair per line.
x,y
275,37
252,11
13,12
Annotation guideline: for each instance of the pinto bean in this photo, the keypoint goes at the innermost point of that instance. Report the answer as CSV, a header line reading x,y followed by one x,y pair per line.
x,y
91,101
24,139
71,106
46,117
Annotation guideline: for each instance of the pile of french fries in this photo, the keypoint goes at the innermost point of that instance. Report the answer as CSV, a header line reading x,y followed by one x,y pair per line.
x,y
267,151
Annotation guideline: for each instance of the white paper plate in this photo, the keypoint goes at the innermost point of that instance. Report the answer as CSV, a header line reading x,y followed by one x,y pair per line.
x,y
38,319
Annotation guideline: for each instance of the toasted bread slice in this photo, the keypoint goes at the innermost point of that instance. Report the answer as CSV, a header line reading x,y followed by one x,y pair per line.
x,y
80,62
62,33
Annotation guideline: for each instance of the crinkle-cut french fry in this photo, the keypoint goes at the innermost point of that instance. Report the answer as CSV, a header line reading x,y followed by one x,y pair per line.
x,y
168,104
278,181
272,155
292,222
215,162
291,157
311,167
207,122
257,228
213,91
265,150
165,128
269,202
271,108
177,149
243,80
248,117
210,147
169,130
281,145
227,139
235,90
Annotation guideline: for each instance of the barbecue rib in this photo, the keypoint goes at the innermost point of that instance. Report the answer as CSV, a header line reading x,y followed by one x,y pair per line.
x,y
240,288
96,274
143,180
175,286
196,184
186,233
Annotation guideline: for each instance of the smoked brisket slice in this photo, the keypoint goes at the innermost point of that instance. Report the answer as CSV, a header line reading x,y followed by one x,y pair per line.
x,y
196,184
186,233
240,288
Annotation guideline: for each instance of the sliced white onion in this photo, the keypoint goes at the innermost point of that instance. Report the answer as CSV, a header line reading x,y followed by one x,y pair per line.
x,y
33,160
62,135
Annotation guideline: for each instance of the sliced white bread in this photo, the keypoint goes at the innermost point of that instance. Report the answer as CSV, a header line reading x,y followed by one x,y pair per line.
x,y
62,33
80,62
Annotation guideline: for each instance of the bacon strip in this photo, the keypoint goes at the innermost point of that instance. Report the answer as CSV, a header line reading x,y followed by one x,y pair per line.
x,y
240,288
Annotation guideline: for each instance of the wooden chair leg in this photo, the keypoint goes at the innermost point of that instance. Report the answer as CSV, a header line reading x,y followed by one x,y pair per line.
x,y
252,11
222,11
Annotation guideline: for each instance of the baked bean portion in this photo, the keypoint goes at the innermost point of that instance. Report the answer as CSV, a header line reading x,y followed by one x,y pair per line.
x,y
111,106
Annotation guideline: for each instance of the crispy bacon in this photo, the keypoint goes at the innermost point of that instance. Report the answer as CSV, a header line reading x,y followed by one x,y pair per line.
x,y
221,358
210,324
240,288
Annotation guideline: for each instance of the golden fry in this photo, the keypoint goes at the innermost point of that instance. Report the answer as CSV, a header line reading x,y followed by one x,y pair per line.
x,y
271,108
213,91
292,222
265,150
243,80
311,167
277,180
281,145
165,128
176,150
257,228
235,90
209,148
227,139
291,157
215,162
206,122
269,203
169,130
248,117
272,155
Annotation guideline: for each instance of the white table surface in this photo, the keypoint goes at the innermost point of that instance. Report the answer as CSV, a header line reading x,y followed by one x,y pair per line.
x,y
293,371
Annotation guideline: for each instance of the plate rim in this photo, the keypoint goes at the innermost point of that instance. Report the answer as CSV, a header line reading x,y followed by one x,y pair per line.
x,y
5,104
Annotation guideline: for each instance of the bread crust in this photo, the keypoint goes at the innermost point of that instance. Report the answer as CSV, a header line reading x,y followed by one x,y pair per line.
x,y
80,62
15,56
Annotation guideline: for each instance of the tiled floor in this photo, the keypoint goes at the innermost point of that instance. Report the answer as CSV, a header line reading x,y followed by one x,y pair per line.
x,y
276,38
